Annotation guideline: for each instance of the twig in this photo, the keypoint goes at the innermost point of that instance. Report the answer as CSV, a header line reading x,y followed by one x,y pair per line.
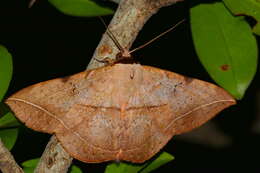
x,y
7,162
54,159
128,20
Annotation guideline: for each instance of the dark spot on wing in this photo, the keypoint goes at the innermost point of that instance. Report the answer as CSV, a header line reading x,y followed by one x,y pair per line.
x,y
224,67
132,74
65,79
188,80
177,85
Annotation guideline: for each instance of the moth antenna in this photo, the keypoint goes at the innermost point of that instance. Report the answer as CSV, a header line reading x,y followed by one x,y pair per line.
x,y
111,35
31,3
155,38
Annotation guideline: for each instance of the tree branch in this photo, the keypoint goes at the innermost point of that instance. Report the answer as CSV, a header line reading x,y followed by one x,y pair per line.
x,y
128,20
54,159
7,162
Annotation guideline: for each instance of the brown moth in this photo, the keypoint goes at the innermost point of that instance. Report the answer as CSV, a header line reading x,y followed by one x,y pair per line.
x,y
118,112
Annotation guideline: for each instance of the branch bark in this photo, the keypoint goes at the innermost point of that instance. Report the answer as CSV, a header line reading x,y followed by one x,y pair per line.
x,y
128,20
54,159
130,17
7,162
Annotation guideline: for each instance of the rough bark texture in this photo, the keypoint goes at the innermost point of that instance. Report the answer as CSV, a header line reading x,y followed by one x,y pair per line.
x,y
128,20
54,158
7,162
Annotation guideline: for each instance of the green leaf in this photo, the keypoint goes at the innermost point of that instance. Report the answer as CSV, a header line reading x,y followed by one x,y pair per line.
x,y
162,159
9,136
225,45
75,169
8,120
82,8
28,170
146,167
124,167
31,163
246,7
4,109
6,70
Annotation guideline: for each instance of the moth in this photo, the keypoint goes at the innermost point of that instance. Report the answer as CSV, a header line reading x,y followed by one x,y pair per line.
x,y
118,112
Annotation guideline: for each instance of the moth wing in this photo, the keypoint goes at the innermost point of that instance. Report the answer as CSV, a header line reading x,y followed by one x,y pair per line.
x,y
91,134
192,102
163,104
42,105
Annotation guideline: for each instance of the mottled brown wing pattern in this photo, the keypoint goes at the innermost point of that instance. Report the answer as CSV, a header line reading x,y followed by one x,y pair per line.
x,y
40,106
170,104
144,135
192,101
119,112
93,133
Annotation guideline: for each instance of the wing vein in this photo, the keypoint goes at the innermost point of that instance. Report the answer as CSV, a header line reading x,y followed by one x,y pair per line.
x,y
195,109
62,123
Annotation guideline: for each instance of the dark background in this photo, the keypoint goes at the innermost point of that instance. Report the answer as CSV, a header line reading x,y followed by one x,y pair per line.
x,y
46,44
